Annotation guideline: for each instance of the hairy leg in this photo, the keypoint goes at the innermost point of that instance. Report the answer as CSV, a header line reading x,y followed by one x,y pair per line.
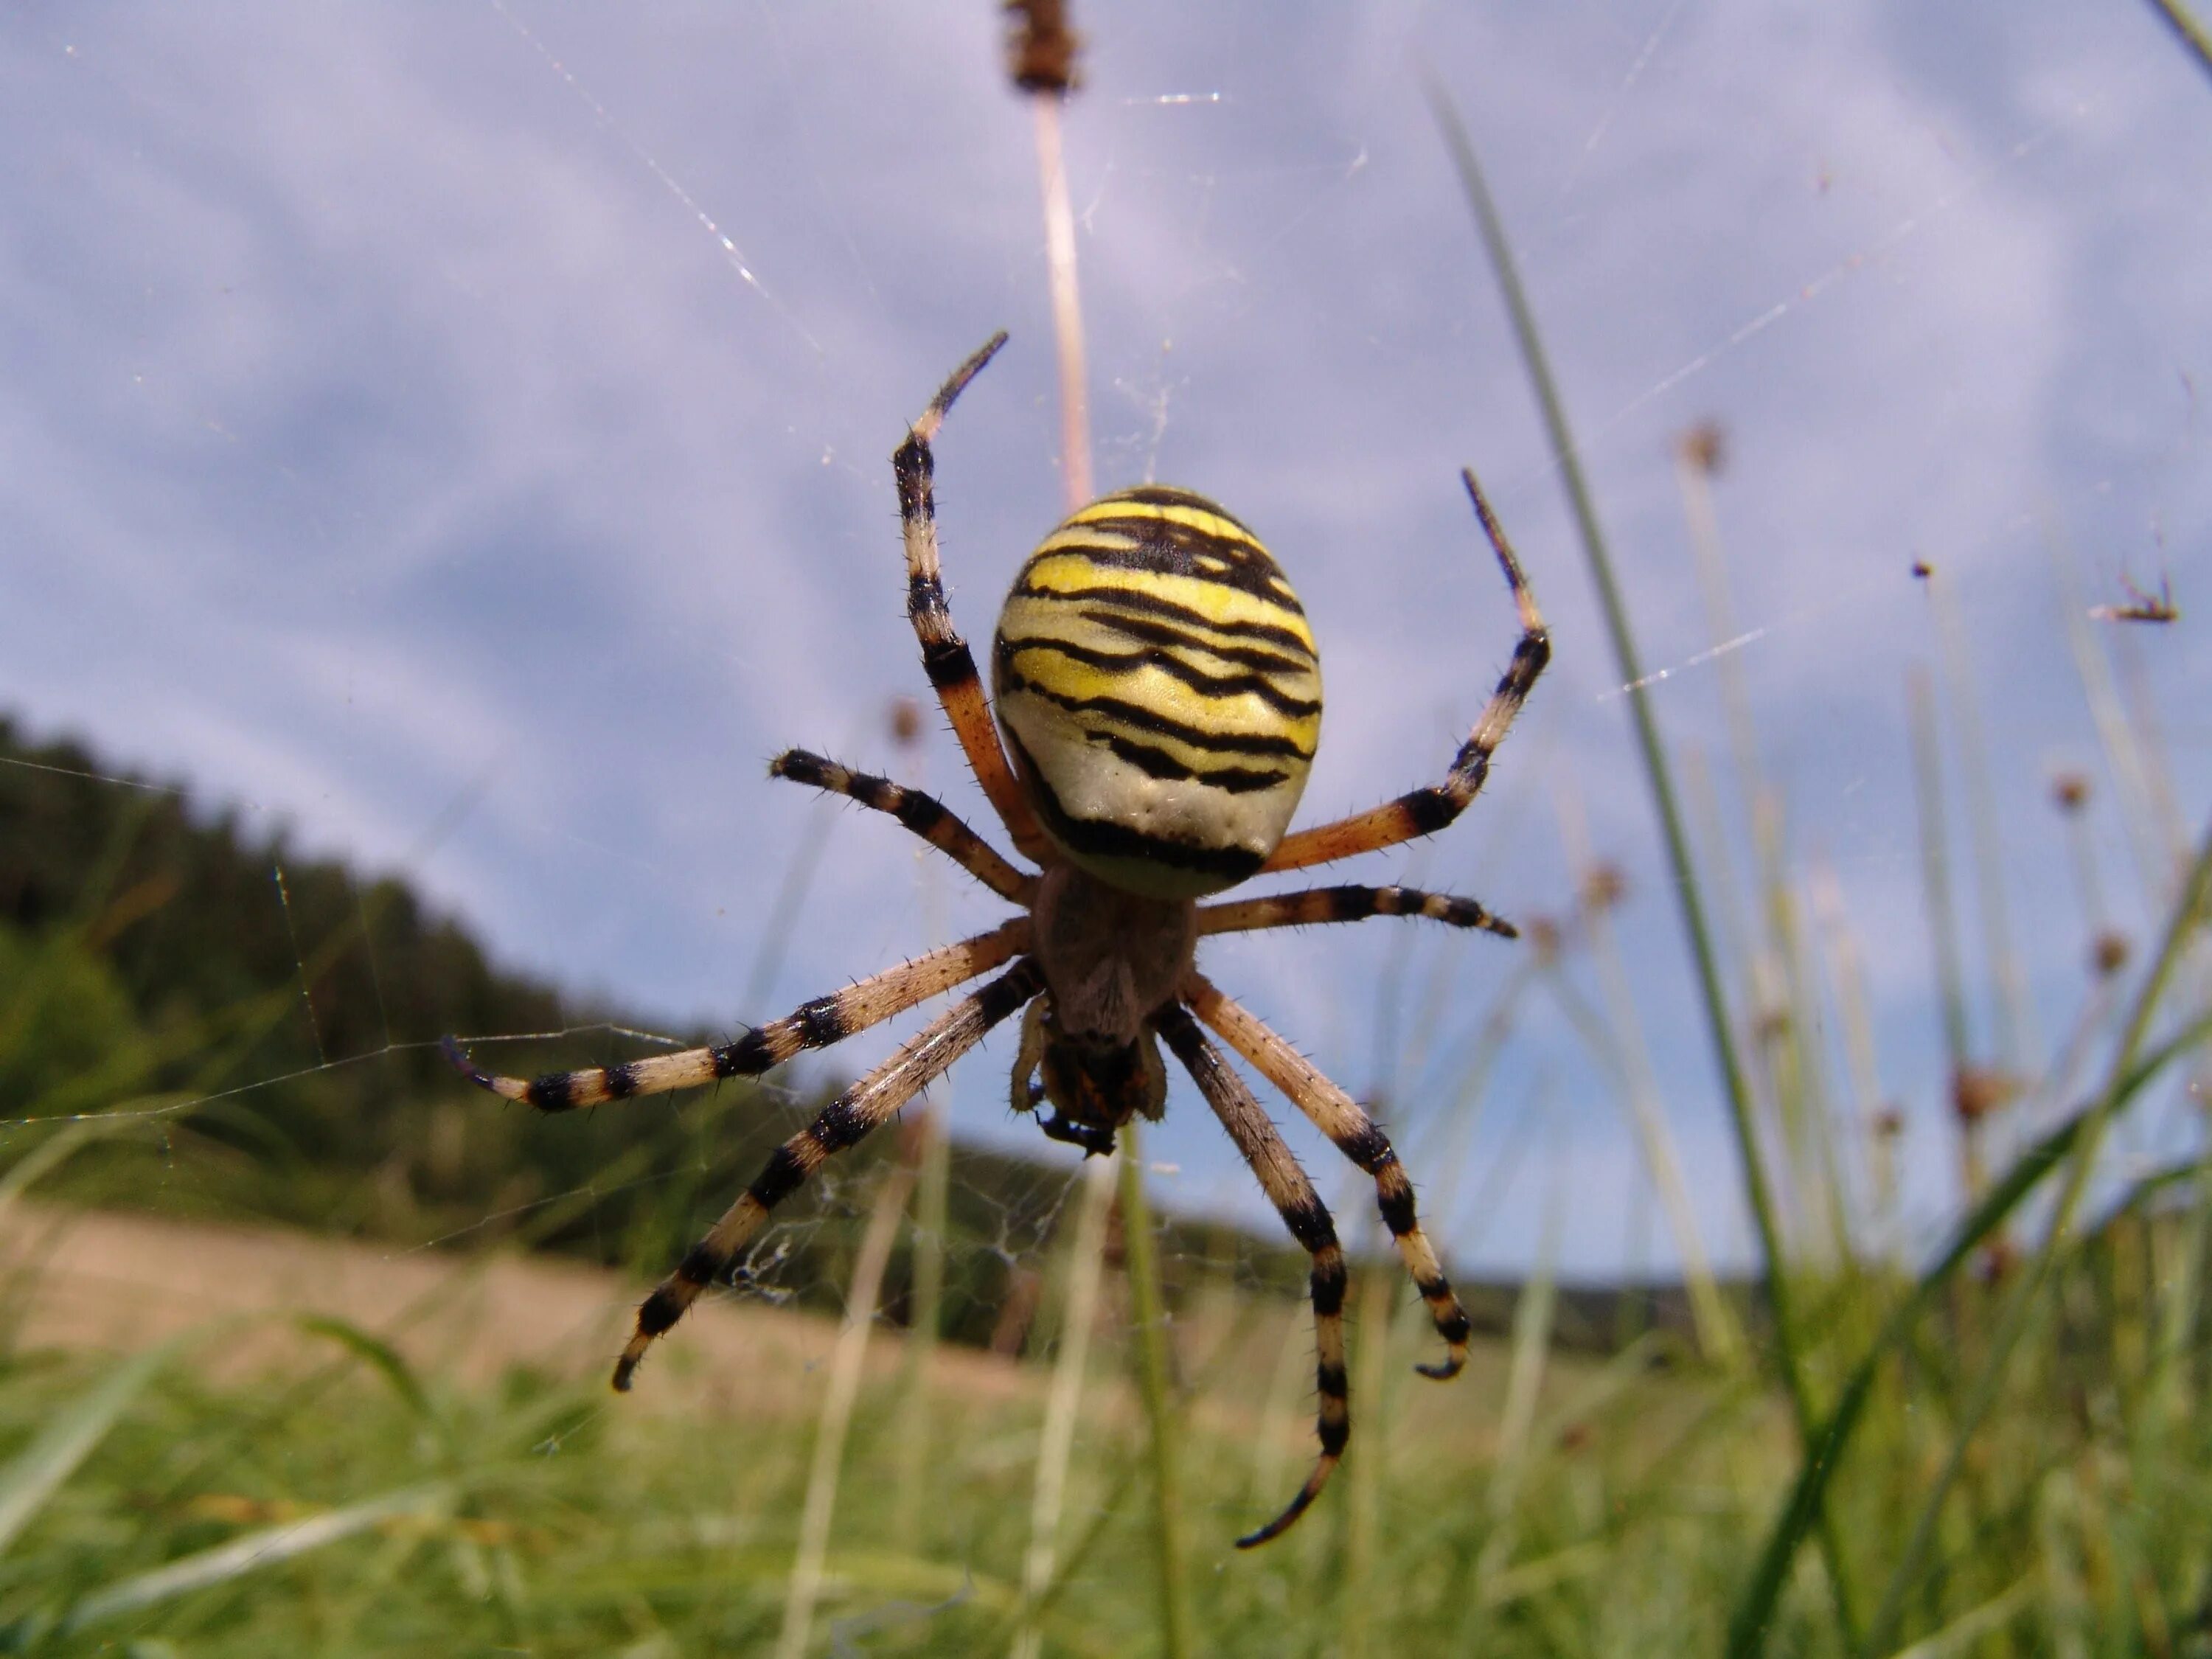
x,y
944,655
1316,904
1339,1117
1295,1200
846,1122
923,814
1425,811
815,1024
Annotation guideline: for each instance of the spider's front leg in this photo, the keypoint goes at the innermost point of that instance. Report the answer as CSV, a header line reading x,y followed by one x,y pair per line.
x,y
944,655
925,814
1425,811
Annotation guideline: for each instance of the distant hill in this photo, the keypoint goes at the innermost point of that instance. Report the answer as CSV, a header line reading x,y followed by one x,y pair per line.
x,y
258,1030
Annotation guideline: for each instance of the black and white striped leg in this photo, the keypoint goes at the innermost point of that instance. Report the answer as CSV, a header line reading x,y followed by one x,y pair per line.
x,y
1318,904
1425,811
1293,1196
1339,1117
815,1024
846,1122
944,655
923,814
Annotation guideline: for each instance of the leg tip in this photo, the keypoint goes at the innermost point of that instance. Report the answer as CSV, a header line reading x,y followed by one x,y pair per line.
x,y
1283,1522
458,1058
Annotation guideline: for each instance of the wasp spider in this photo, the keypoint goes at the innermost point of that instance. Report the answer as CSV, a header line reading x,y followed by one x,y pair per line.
x,y
1159,697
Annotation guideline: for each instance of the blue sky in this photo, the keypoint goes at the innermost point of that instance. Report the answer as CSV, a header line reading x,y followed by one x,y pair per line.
x,y
387,429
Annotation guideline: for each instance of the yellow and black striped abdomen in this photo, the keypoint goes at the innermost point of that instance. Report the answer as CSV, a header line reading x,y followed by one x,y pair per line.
x,y
1159,690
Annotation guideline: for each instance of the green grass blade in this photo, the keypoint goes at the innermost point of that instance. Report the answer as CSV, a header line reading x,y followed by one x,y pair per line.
x,y
266,1547
1747,1626
1148,1313
1757,1187
2134,1071
67,1439
2188,913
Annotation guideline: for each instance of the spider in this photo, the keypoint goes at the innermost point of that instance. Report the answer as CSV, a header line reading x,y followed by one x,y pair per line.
x,y
1159,696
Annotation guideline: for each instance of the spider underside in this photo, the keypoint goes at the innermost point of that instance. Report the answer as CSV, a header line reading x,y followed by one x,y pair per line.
x,y
1199,752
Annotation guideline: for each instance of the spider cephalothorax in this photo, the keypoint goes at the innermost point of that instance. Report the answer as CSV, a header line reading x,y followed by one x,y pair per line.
x,y
1160,695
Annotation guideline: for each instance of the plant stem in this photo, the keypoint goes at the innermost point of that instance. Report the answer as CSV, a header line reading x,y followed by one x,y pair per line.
x,y
1148,1313
1629,667
846,1359
2021,1305
2192,33
1085,1260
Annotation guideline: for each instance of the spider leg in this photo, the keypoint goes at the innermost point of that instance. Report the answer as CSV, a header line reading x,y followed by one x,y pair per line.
x,y
1339,1117
923,814
944,655
1347,904
1293,1196
815,1024
844,1122
1425,811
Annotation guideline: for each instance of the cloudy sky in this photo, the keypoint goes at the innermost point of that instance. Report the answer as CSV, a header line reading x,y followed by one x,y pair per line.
x,y
483,409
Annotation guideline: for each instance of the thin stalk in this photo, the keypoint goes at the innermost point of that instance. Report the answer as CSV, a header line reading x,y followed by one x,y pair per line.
x,y
1532,1342
1086,1261
1757,1192
2187,29
1935,871
1731,922
2021,1305
1066,300
1718,1339
805,1585
930,1150
1148,1312
1847,975
2016,1049
931,1155
1783,1017
1362,1508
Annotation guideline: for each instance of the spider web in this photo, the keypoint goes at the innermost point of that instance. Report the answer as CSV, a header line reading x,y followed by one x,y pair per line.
x,y
462,442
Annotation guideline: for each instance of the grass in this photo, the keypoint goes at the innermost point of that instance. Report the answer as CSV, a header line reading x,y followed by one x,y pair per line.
x,y
345,1503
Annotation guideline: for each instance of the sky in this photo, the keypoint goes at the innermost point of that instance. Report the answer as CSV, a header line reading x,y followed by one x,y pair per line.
x,y
460,434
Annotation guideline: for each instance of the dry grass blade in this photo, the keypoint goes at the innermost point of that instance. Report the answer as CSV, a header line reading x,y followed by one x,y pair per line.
x,y
805,1581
